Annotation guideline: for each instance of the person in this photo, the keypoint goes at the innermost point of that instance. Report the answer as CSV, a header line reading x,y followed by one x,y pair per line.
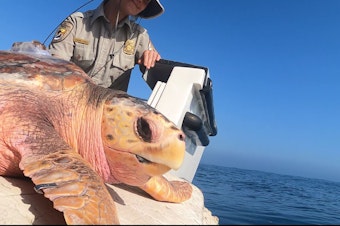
x,y
107,42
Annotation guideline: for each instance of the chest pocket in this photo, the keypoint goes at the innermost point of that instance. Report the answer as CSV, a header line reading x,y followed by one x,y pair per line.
x,y
83,56
125,58
123,61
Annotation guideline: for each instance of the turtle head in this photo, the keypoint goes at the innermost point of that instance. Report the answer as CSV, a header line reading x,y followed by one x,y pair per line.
x,y
139,141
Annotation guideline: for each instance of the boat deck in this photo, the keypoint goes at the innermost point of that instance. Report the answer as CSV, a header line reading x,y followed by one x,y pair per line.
x,y
20,204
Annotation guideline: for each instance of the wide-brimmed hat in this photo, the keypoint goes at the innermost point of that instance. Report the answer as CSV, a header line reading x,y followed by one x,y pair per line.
x,y
153,9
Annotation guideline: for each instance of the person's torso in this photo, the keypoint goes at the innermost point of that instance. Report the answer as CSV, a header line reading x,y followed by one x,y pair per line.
x,y
103,52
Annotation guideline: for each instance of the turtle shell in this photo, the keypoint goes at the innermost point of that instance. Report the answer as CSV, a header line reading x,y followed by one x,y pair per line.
x,y
46,72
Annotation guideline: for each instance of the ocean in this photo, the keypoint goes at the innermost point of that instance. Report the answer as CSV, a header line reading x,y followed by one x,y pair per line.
x,y
250,197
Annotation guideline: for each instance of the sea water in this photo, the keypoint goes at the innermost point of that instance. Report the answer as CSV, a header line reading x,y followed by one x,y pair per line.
x,y
238,196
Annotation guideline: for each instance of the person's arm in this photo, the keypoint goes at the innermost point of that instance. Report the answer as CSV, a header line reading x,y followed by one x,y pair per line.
x,y
62,44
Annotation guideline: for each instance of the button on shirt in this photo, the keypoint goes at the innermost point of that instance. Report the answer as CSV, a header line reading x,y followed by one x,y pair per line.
x,y
106,54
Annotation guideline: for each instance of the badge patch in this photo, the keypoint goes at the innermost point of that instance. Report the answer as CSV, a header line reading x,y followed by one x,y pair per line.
x,y
129,47
63,31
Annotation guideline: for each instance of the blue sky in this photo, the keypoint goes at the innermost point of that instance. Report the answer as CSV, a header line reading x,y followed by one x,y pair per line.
x,y
275,66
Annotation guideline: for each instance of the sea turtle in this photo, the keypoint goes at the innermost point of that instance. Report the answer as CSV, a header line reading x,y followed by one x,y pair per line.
x,y
71,137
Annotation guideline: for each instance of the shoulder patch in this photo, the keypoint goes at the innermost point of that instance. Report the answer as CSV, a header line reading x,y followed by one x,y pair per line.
x,y
63,31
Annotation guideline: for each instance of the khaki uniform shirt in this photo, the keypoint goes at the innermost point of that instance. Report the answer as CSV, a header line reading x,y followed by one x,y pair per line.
x,y
105,54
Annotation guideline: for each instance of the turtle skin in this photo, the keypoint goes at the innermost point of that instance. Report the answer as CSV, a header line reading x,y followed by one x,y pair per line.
x,y
71,137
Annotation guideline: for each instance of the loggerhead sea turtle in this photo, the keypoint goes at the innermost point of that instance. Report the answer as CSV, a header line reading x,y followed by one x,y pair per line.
x,y
71,137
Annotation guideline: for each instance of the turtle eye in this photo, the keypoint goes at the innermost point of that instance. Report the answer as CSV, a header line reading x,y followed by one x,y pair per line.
x,y
143,129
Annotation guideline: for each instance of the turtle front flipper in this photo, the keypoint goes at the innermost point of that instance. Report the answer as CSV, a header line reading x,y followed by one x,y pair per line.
x,y
75,189
168,191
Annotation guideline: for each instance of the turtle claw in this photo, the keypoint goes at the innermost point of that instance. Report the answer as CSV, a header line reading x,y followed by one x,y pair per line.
x,y
38,188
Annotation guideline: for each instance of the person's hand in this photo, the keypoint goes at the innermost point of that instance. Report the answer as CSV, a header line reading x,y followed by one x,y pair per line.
x,y
149,58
